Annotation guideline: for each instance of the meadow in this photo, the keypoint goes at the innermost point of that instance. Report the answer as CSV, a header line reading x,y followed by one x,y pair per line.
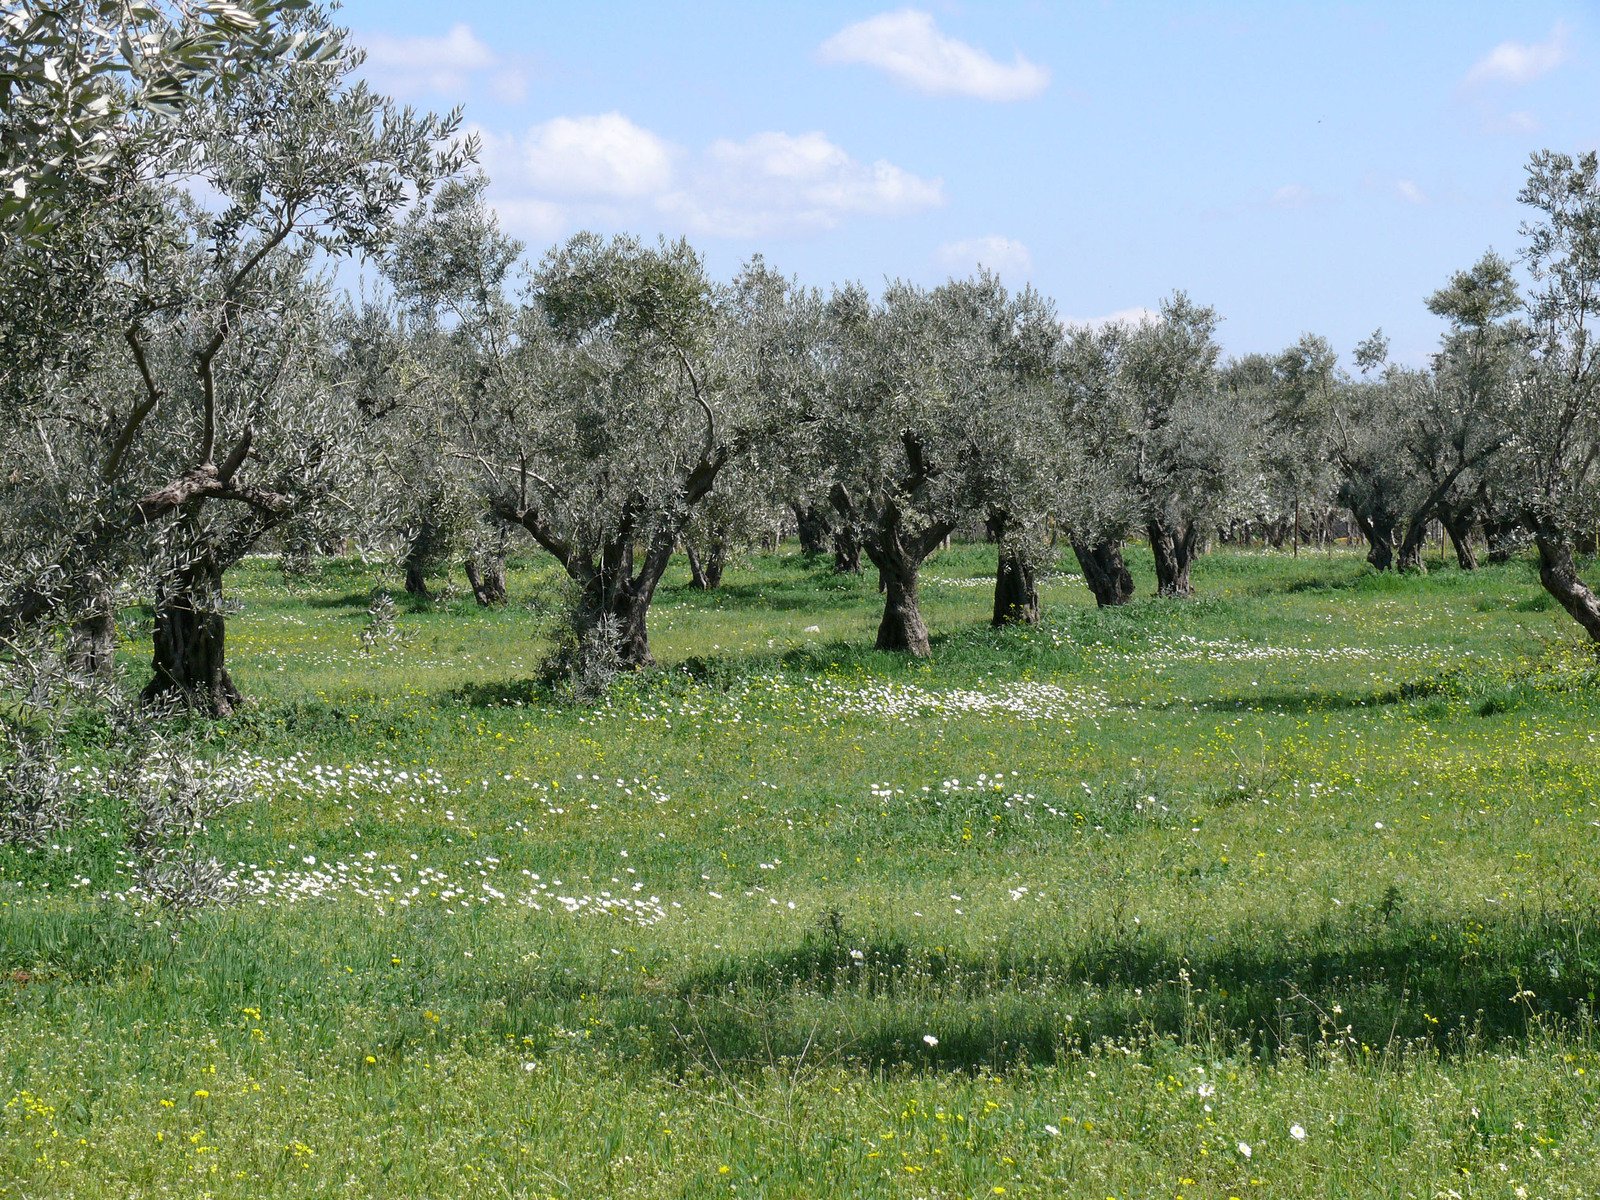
x,y
1288,891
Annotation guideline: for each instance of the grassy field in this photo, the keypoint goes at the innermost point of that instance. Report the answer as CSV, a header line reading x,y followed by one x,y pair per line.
x,y
1290,891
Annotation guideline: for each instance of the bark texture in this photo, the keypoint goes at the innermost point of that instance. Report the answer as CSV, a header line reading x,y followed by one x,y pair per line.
x,y
1409,559
902,627
1379,536
846,552
1174,550
189,659
1016,591
705,570
811,524
1104,571
486,573
1458,524
897,548
92,642
1558,571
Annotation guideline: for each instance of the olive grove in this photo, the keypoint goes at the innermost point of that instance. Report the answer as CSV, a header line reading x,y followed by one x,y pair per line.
x,y
182,384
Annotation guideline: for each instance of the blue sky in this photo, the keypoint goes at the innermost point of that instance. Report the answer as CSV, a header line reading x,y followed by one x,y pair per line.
x,y
1301,167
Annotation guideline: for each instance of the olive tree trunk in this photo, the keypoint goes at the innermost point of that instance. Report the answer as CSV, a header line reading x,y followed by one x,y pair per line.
x,y
1107,575
1458,524
846,551
1016,590
92,641
1412,545
811,524
416,560
902,627
1174,554
1379,536
1559,573
189,659
486,573
705,571
898,552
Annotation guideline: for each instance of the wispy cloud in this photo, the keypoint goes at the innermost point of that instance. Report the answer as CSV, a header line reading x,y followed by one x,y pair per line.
x,y
1128,318
1519,63
1003,255
606,169
448,66
909,46
1408,191
1291,195
778,183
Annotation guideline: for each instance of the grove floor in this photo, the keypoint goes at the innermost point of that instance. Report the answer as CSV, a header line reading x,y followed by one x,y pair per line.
x,y
1288,891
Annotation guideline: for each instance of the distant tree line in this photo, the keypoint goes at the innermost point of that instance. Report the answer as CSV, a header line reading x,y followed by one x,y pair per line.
x,y
181,386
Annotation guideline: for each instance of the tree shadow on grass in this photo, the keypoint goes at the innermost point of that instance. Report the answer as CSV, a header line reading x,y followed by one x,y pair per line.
x,y
353,600
766,597
1292,702
1378,979
1370,979
502,693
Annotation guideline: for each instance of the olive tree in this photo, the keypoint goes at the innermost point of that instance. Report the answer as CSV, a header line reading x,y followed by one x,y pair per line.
x,y
610,423
1096,503
1551,414
1287,400
999,362
767,337
451,267
209,332
1190,448
905,471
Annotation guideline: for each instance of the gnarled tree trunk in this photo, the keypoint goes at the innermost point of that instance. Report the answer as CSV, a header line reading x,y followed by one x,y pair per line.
x,y
189,658
486,573
92,642
811,524
902,627
846,551
1379,535
1458,524
1559,573
613,593
1104,571
1016,591
1504,538
416,559
1174,554
705,571
898,552
1411,547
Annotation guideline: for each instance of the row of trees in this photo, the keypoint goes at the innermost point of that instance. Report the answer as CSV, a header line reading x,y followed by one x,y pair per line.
x,y
182,386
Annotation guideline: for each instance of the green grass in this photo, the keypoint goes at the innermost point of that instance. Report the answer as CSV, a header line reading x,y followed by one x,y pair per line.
x,y
1313,852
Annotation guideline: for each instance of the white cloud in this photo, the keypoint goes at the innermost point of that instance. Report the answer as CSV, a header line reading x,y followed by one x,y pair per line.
x,y
1518,124
606,170
1291,195
1518,63
1128,318
536,222
605,156
509,86
439,66
1410,192
776,183
1003,255
909,46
